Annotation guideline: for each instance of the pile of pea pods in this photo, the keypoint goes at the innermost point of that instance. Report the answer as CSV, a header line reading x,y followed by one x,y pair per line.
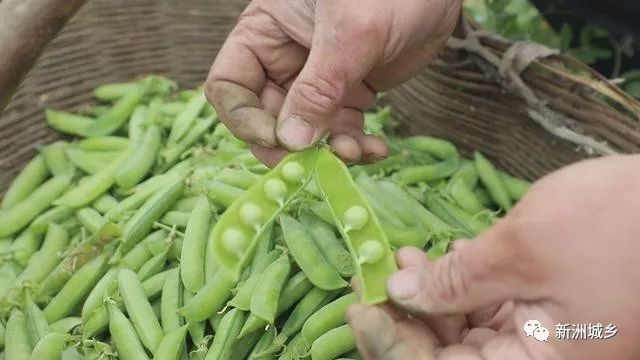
x,y
153,233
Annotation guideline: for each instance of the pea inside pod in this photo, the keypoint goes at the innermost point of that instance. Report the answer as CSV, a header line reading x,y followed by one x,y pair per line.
x,y
236,233
359,226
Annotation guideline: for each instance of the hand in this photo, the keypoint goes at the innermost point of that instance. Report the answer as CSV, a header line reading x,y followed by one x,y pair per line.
x,y
566,254
292,71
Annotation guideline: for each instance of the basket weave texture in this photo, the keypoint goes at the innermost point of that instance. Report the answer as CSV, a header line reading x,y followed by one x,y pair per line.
x,y
461,97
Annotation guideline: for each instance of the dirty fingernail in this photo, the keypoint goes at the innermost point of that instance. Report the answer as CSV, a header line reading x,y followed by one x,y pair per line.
x,y
403,284
296,132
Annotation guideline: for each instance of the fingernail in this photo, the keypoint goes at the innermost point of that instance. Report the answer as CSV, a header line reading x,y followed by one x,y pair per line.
x,y
403,285
296,132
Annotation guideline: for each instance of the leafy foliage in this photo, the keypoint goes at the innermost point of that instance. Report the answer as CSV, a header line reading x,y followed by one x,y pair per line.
x,y
520,20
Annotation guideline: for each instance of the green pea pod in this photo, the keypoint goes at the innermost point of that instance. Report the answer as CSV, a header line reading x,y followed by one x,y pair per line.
x,y
140,254
171,301
17,216
157,241
88,250
76,289
96,323
56,214
358,224
215,321
138,122
392,193
117,115
37,325
197,328
405,236
152,210
243,346
184,121
296,348
108,284
328,317
141,194
46,259
210,299
235,235
435,205
139,309
222,346
90,219
171,154
492,181
265,299
464,197
113,91
24,246
426,173
240,178
8,273
246,289
440,148
56,159
93,186
104,203
29,179
308,256
97,110
516,187
471,225
91,162
222,194
152,286
266,339
124,337
172,344
17,343
331,247
466,173
104,143
141,163
295,289
333,344
3,332
66,325
193,247
174,108
154,265
186,203
309,304
263,248
71,353
179,219
50,347
68,123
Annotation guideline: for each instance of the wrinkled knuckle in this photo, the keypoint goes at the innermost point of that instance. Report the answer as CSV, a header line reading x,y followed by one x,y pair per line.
x,y
320,94
450,281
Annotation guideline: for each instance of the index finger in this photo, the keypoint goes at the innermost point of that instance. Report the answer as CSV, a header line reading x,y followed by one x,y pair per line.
x,y
232,87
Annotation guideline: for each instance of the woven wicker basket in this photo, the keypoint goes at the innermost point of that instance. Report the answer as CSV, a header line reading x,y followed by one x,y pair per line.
x,y
530,122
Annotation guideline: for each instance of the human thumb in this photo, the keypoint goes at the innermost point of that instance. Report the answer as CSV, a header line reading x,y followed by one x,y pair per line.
x,y
341,56
489,270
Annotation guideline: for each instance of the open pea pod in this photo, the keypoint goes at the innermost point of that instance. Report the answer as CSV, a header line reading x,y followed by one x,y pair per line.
x,y
359,226
236,233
